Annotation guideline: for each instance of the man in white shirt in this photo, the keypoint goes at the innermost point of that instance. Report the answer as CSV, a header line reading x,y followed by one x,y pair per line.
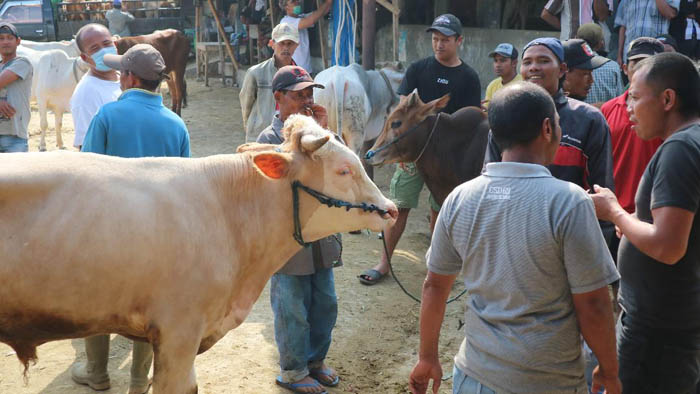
x,y
294,18
100,85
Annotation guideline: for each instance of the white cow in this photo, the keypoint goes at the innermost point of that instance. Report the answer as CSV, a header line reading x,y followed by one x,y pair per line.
x,y
53,83
173,251
69,47
358,101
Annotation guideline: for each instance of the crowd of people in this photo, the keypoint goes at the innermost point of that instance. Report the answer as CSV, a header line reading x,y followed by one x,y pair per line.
x,y
588,185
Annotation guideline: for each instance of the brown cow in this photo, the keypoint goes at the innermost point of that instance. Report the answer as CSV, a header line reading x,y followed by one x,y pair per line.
x,y
175,48
448,150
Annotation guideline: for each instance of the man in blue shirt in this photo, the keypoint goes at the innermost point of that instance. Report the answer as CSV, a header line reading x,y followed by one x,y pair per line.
x,y
136,125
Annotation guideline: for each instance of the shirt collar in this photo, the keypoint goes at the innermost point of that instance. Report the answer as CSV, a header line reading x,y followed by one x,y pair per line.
x,y
142,95
560,99
516,170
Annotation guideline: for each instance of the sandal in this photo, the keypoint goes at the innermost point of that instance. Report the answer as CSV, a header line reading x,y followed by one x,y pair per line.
x,y
324,376
370,277
294,387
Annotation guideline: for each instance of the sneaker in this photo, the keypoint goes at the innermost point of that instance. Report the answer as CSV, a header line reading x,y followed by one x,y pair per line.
x,y
82,374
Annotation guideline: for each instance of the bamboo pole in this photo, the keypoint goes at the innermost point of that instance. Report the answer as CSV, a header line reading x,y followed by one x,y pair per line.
x,y
220,27
323,35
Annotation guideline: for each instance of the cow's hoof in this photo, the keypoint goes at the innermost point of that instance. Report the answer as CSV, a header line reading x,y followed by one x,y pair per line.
x,y
42,149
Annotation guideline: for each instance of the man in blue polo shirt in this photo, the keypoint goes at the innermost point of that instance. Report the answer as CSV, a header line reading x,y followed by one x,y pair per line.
x,y
137,124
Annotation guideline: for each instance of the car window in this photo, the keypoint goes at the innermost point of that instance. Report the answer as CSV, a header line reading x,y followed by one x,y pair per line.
x,y
21,13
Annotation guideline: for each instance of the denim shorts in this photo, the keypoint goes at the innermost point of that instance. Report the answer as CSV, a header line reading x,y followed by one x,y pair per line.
x,y
464,384
11,143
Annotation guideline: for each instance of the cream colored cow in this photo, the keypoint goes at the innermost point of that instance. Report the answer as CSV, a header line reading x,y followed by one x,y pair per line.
x,y
169,250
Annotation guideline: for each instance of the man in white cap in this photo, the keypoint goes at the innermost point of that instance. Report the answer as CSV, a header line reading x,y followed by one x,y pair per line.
x,y
119,20
136,125
257,102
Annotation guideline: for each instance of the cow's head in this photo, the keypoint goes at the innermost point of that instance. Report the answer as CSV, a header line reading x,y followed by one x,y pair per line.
x,y
410,115
312,156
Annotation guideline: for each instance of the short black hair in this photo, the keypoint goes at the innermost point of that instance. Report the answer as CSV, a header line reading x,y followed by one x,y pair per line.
x,y
117,6
516,113
676,72
149,84
82,30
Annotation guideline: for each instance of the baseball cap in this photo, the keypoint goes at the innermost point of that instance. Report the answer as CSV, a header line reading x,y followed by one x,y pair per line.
x,y
117,2
283,32
292,78
142,59
591,33
447,24
553,44
8,28
644,47
668,40
578,54
505,50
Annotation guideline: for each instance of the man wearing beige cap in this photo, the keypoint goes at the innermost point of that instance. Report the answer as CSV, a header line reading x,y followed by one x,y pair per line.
x,y
257,102
136,125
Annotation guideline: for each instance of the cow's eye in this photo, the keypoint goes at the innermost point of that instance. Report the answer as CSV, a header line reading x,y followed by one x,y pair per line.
x,y
396,124
344,171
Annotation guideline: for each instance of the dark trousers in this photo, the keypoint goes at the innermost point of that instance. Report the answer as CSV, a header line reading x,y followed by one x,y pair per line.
x,y
657,361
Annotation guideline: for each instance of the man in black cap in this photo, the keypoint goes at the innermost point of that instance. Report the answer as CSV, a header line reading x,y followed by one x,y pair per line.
x,y
15,89
580,62
433,77
670,44
302,293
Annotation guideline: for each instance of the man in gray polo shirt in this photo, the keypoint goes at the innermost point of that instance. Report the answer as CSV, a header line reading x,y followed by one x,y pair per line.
x,y
15,86
534,262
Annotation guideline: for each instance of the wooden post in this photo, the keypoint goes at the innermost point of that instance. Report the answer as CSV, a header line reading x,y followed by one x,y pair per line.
x,y
369,11
197,16
323,35
395,29
273,14
220,27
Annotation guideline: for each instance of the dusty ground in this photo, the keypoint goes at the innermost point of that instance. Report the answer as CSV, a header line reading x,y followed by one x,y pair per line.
x,y
375,340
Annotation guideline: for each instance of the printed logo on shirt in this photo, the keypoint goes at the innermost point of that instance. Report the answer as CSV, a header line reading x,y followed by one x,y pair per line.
x,y
567,137
443,81
498,193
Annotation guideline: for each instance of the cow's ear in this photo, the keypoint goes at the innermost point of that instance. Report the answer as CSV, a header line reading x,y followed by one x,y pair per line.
x,y
440,103
255,147
272,164
413,98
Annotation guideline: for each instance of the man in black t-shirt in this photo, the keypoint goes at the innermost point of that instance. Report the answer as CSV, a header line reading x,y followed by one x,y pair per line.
x,y
433,77
659,256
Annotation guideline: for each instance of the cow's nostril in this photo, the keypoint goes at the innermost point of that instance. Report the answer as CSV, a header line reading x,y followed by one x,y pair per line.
x,y
369,154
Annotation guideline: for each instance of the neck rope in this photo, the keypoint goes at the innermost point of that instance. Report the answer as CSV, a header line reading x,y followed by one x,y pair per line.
x,y
371,153
325,200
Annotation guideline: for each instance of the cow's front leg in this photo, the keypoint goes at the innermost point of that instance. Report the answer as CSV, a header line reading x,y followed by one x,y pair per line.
x,y
174,364
43,123
58,122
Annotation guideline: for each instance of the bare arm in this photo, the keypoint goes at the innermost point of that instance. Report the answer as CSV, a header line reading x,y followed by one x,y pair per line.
x,y
601,10
595,318
316,15
666,240
7,77
666,10
436,289
621,45
551,19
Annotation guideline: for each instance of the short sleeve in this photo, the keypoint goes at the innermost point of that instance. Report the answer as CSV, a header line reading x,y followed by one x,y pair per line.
x,y
291,21
409,81
676,174
554,6
21,67
589,265
185,144
442,256
96,136
674,3
82,116
620,15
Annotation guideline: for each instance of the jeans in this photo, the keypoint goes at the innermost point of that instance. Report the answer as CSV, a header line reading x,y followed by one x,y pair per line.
x,y
463,384
11,143
305,309
655,361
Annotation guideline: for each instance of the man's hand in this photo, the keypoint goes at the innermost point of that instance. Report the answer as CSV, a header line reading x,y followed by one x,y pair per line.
x,y
319,113
6,109
606,205
611,382
422,373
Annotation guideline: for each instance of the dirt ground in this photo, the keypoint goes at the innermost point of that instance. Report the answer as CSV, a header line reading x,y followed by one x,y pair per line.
x,y
375,341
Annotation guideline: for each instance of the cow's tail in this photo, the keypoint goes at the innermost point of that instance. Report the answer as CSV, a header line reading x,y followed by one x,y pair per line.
x,y
340,86
184,93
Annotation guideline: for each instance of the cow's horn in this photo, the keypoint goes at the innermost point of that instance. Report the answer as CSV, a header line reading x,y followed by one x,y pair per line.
x,y
310,144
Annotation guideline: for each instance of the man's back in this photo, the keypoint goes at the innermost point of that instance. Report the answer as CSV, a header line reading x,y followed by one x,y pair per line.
x,y
524,242
119,22
137,125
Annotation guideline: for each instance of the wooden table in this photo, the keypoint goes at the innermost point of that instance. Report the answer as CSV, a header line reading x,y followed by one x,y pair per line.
x,y
204,49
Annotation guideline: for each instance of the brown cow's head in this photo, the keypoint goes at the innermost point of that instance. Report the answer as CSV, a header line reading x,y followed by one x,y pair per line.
x,y
411,113
313,157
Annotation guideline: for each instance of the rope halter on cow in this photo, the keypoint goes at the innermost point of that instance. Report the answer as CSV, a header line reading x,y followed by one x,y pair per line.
x,y
371,153
325,200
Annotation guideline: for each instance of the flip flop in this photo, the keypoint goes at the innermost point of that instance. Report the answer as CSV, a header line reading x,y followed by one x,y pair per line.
x,y
294,387
370,277
323,376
